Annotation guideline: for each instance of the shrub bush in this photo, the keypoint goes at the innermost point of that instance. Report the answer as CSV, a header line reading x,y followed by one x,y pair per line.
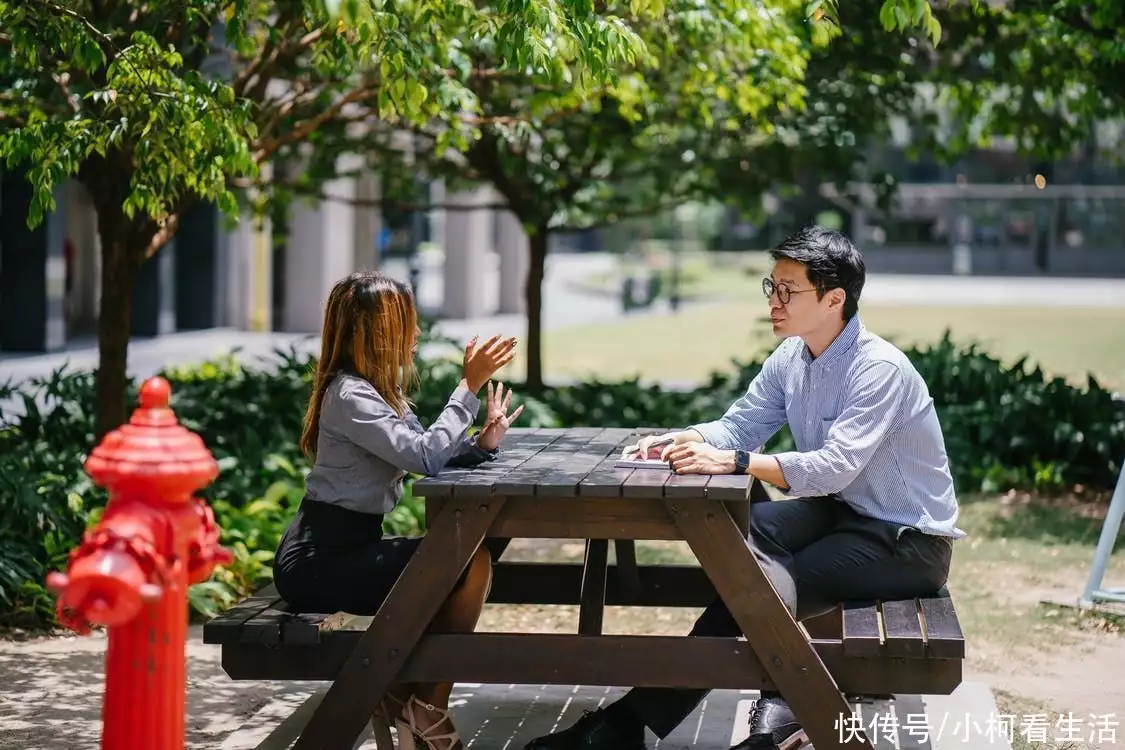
x,y
1005,427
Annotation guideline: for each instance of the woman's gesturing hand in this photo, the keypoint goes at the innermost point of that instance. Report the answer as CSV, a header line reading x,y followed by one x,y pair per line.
x,y
499,420
481,363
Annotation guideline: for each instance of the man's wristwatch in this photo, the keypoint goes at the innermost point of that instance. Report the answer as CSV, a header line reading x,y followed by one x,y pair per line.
x,y
741,462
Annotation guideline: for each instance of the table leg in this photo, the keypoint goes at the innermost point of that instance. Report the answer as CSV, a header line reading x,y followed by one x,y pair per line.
x,y
770,629
379,655
629,578
592,608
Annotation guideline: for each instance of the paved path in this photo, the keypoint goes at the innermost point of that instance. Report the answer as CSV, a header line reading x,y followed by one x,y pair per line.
x,y
506,717
564,305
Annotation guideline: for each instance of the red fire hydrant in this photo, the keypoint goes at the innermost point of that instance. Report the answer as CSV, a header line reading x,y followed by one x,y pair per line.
x,y
132,570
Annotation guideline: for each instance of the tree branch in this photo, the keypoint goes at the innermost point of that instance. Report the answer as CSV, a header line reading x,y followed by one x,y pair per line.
x,y
617,216
306,128
388,202
165,233
63,82
105,39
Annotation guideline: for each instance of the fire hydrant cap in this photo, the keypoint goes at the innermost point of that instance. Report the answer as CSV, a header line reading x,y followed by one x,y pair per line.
x,y
153,447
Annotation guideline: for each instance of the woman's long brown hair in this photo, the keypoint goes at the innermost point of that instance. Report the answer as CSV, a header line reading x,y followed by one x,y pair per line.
x,y
370,324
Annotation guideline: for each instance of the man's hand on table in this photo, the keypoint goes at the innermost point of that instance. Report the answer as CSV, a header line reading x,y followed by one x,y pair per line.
x,y
699,458
658,446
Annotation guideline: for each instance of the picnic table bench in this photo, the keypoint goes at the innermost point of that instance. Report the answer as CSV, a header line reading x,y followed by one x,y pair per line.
x,y
561,484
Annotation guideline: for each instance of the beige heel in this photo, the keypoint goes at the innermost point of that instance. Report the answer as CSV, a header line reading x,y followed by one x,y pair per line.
x,y
410,732
382,734
405,736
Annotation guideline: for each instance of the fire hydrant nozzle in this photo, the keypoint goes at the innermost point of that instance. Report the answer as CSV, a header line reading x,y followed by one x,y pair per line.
x,y
132,570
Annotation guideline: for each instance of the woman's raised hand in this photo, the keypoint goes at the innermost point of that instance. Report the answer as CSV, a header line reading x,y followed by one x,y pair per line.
x,y
498,420
482,362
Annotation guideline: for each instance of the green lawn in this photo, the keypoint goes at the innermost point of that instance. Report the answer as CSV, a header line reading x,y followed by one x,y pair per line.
x,y
698,341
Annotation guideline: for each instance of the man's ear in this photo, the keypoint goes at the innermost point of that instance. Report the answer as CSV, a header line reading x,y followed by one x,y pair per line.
x,y
839,297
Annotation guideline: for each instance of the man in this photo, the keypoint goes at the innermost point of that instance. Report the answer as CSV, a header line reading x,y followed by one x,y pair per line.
x,y
874,511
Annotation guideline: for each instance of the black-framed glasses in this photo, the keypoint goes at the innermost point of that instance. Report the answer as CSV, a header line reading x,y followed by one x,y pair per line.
x,y
782,289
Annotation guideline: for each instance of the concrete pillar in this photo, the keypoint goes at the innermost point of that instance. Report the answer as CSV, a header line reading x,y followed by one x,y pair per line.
x,y
321,251
245,262
468,240
511,245
32,270
196,265
86,282
368,222
154,303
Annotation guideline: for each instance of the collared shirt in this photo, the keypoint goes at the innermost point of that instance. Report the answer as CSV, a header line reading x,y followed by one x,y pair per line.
x,y
365,449
863,423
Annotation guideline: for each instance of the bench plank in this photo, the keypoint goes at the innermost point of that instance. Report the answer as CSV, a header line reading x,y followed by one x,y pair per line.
x,y
862,635
548,658
904,630
944,639
227,627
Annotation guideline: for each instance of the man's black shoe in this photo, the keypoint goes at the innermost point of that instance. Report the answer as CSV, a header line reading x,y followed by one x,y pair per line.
x,y
596,730
773,725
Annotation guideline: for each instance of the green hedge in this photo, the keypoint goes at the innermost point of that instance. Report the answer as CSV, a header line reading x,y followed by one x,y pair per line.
x,y
1005,426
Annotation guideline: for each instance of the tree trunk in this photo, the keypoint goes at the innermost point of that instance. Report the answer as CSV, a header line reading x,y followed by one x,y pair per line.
x,y
537,244
115,314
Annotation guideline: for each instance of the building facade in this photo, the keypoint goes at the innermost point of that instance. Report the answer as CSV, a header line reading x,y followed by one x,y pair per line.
x,y
219,274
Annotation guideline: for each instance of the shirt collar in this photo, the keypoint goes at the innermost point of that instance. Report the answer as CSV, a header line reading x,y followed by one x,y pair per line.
x,y
839,346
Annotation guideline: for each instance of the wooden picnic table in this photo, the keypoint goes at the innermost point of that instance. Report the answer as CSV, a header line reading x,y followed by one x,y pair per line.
x,y
562,484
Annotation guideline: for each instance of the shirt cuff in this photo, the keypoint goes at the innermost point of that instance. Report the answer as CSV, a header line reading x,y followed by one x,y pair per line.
x,y
466,398
792,468
484,453
714,433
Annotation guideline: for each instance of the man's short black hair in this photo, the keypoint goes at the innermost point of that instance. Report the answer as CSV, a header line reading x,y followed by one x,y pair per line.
x,y
831,260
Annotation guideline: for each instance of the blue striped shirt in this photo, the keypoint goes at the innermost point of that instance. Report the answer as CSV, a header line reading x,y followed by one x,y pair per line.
x,y
864,425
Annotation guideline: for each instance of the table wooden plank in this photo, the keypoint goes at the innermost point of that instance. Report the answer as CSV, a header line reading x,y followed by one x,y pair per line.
x,y
687,485
482,482
441,484
525,479
770,629
646,483
527,517
605,479
904,631
729,487
563,481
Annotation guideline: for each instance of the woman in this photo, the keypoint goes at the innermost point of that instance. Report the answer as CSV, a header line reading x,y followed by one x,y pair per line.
x,y
362,438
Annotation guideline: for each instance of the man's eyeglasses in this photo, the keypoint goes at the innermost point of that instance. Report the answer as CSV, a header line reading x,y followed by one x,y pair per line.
x,y
782,289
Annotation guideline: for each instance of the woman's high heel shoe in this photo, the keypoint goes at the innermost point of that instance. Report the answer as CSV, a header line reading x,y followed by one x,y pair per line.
x,y
389,710
411,730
